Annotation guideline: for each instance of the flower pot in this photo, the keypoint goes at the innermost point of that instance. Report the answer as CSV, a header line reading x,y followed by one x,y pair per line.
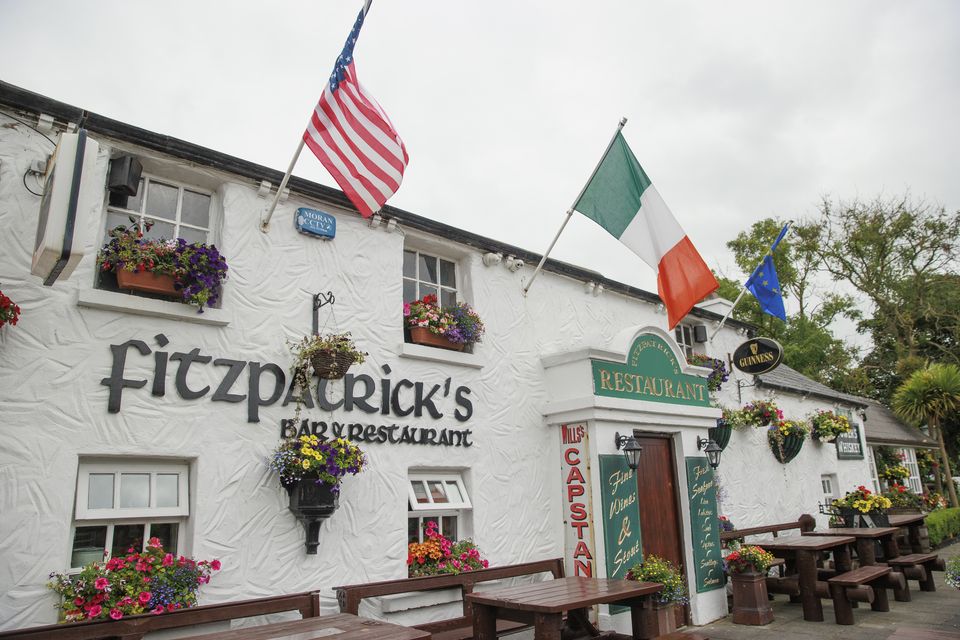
x,y
146,281
721,434
851,517
659,619
331,365
312,503
788,449
750,603
423,335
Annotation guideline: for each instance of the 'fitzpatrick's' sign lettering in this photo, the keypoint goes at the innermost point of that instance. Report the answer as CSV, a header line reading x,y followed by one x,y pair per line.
x,y
758,355
360,391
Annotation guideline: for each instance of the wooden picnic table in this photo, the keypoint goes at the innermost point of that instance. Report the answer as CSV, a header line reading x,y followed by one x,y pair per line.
x,y
801,552
866,537
543,604
342,626
913,522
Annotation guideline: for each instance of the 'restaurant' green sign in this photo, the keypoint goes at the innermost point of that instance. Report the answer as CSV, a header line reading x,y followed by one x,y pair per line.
x,y
652,373
621,517
702,490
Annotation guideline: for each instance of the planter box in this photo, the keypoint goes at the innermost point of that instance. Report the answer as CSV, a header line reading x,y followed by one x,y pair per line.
x,y
147,281
750,603
422,335
658,620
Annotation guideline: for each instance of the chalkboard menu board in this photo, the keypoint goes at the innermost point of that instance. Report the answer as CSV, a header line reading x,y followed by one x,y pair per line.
x,y
701,488
621,517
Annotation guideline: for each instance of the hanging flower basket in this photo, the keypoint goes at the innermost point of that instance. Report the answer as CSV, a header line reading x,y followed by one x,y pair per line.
x,y
786,449
721,433
147,282
331,365
422,335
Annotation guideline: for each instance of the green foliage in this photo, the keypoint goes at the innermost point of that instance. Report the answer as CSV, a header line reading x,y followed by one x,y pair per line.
x,y
657,569
943,525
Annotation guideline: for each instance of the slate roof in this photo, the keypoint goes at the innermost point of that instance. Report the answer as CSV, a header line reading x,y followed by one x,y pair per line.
x,y
787,379
884,428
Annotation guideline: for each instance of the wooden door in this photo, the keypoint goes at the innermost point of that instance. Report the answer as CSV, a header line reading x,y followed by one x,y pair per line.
x,y
659,500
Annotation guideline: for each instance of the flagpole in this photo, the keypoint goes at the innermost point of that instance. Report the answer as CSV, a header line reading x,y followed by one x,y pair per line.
x,y
265,221
781,236
623,121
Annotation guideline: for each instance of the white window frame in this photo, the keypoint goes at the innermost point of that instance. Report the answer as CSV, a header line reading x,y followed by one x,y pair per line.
x,y
438,510
147,178
910,462
827,486
418,281
874,478
83,512
686,333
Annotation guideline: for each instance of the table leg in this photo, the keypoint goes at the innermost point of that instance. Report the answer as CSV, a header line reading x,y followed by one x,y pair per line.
x,y
807,577
866,552
913,537
841,559
546,626
890,548
484,622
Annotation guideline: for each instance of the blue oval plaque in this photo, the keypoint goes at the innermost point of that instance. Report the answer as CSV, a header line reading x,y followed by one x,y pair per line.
x,y
315,223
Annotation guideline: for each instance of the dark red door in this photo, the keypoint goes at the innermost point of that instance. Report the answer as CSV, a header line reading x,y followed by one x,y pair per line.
x,y
659,503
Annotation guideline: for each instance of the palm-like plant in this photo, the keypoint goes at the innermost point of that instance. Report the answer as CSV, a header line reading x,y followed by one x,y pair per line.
x,y
929,395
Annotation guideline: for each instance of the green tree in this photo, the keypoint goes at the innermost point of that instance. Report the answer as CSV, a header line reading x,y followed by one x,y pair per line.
x,y
809,345
931,396
902,256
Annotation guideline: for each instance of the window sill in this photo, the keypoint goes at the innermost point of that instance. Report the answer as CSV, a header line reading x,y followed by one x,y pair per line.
x,y
446,356
111,301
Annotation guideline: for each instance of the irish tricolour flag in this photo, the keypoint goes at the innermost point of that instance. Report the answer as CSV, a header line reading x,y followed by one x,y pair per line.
x,y
622,200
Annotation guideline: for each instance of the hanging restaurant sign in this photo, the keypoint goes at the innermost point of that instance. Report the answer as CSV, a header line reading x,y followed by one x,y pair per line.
x,y
758,355
848,444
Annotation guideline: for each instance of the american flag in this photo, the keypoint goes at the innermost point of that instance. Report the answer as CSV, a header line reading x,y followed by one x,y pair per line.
x,y
352,136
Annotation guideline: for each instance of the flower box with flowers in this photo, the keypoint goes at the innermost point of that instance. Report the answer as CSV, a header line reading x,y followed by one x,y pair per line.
x,y
718,374
661,620
862,502
451,328
747,566
754,414
437,555
193,273
151,581
786,439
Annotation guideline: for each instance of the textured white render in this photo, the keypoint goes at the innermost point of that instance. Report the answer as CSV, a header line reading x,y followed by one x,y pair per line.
x,y
55,409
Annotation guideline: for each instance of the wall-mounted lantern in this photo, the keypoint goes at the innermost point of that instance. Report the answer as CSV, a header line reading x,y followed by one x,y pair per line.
x,y
631,450
712,449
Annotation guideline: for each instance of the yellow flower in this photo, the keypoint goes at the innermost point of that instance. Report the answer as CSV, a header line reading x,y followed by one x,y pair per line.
x,y
306,464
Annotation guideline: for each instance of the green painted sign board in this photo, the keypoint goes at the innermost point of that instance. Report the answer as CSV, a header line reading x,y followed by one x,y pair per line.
x,y
621,517
651,373
702,492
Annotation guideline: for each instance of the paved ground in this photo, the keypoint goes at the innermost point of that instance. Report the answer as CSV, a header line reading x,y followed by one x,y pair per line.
x,y
939,610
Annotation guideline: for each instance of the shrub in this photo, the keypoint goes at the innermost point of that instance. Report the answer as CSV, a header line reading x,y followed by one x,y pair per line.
x,y
943,525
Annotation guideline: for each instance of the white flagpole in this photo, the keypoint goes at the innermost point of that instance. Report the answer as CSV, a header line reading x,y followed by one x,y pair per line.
x,y
744,290
265,221
623,121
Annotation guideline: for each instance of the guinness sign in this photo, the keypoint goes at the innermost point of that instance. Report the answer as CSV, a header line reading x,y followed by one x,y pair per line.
x,y
758,355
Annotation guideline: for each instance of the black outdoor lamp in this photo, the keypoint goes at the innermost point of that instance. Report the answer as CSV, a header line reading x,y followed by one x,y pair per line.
x,y
631,449
712,449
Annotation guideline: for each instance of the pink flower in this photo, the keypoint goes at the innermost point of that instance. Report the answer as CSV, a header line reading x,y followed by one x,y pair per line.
x,y
168,560
215,565
203,579
78,601
144,597
153,542
142,566
116,614
157,610
94,611
100,584
485,563
406,309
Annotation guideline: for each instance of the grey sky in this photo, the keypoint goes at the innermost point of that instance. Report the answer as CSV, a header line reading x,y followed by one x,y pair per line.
x,y
737,110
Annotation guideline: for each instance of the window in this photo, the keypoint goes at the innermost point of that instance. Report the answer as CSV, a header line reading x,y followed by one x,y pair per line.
x,y
827,485
910,462
178,210
684,335
122,504
441,498
873,471
424,274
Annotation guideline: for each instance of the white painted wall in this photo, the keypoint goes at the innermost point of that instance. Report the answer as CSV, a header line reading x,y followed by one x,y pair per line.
x,y
55,409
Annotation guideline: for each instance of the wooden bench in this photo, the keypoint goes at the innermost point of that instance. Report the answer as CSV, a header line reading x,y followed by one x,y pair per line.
x,y
806,522
461,627
918,566
866,584
135,627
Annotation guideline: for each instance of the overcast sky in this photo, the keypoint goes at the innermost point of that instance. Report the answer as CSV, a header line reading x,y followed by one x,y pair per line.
x,y
737,110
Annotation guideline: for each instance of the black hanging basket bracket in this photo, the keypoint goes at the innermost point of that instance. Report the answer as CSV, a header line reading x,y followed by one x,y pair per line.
x,y
320,300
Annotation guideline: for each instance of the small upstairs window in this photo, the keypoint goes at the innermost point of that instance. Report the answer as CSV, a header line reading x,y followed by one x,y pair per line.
x,y
177,210
425,274
437,497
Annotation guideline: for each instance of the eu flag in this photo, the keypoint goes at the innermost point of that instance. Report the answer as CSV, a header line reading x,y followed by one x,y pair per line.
x,y
765,287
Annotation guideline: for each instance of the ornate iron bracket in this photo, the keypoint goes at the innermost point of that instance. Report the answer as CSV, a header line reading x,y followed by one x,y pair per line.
x,y
319,300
